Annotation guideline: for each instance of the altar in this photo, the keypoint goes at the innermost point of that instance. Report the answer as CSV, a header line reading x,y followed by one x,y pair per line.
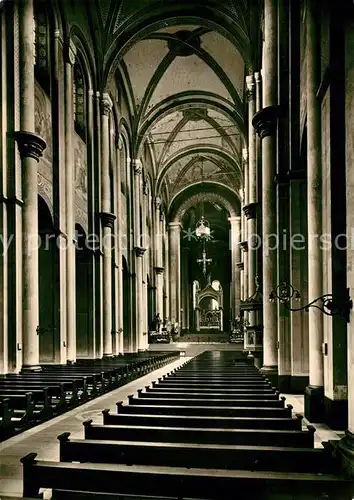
x,y
209,309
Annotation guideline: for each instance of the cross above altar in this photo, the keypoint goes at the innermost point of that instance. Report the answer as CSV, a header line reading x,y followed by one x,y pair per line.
x,y
205,262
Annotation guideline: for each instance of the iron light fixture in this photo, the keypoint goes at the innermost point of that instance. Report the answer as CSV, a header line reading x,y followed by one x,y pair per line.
x,y
328,303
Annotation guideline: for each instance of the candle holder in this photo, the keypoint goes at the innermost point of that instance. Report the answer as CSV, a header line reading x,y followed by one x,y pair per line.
x,y
328,303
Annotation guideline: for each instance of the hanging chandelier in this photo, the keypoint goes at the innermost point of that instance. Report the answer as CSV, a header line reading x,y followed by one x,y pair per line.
x,y
202,229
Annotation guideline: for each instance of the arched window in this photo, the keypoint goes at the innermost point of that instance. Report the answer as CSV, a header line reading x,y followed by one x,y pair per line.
x,y
79,101
41,52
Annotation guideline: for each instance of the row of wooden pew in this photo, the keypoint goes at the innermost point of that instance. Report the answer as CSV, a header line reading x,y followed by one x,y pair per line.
x,y
29,398
213,429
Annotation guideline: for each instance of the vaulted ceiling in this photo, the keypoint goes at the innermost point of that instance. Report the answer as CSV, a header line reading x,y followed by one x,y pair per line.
x,y
183,66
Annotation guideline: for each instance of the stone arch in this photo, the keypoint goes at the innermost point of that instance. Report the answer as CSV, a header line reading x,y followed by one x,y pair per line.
x,y
177,214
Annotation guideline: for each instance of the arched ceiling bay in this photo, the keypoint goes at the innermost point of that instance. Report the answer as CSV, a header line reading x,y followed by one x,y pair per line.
x,y
184,72
178,61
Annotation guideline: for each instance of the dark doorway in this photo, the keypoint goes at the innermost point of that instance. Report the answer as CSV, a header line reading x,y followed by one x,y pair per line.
x,y
84,296
48,270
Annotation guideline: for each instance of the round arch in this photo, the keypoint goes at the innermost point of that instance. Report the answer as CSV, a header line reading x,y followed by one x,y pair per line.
x,y
197,150
184,101
187,199
85,55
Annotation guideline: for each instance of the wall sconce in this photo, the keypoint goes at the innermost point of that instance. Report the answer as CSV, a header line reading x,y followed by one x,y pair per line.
x,y
327,303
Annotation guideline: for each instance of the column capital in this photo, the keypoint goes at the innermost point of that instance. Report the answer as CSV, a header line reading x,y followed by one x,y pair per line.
x,y
145,188
158,202
139,251
70,52
245,155
107,219
244,246
258,77
251,88
265,121
137,166
106,105
250,210
30,145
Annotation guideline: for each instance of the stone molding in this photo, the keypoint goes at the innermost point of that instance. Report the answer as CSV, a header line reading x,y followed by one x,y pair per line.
x,y
139,251
107,219
265,121
250,210
30,145
244,246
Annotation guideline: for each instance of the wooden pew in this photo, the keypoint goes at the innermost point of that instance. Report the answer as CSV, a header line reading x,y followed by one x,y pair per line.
x,y
202,421
232,457
205,390
152,393
181,401
76,386
21,406
7,422
41,401
89,479
208,411
56,391
255,437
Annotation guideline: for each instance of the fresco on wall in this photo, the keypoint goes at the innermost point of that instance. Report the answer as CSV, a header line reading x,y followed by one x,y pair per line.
x,y
43,127
123,224
80,176
43,121
80,169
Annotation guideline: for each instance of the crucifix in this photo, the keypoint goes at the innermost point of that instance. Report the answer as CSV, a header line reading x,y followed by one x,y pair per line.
x,y
204,261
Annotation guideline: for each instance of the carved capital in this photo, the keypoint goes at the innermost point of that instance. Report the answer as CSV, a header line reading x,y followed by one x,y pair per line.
x,y
240,265
158,203
244,246
139,251
137,167
265,121
30,145
106,105
107,219
70,51
145,188
251,88
250,210
258,77
159,270
245,155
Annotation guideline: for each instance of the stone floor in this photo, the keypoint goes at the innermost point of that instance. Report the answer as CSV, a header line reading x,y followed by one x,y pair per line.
x,y
43,438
